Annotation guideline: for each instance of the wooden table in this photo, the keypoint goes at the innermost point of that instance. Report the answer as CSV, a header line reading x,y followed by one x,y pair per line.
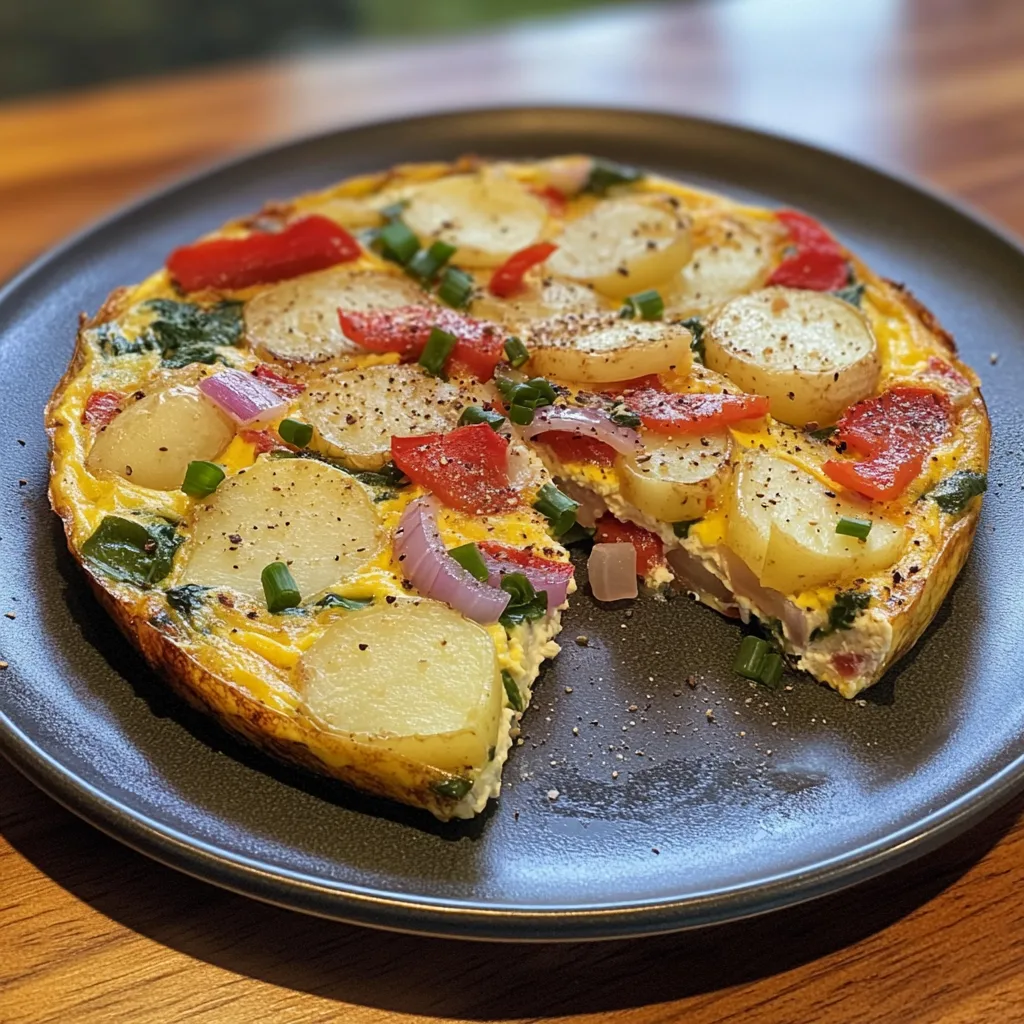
x,y
93,932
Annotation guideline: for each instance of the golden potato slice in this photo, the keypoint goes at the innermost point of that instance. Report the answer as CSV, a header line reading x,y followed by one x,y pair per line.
x,y
543,297
355,413
486,216
152,441
297,320
624,246
318,520
782,523
603,347
675,479
413,677
809,352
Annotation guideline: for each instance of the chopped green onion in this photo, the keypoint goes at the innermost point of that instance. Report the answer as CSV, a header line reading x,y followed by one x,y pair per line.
x,y
850,526
525,604
682,528
427,263
397,242
544,388
647,305
456,288
469,557
295,432
437,350
771,670
751,657
280,587
395,210
515,697
521,415
475,414
454,788
558,508
202,478
516,352
605,173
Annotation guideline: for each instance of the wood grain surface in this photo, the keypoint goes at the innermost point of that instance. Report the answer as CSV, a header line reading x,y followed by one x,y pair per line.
x,y
90,931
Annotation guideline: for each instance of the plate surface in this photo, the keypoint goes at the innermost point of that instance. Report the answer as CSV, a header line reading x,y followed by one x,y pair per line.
x,y
770,799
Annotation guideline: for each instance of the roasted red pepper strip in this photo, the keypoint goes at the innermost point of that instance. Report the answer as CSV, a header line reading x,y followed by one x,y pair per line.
x,y
556,200
312,243
557,572
478,349
649,549
286,387
507,280
261,440
101,407
466,468
894,431
818,263
667,412
577,447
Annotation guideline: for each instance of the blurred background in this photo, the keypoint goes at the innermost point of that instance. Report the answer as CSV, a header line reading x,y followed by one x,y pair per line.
x,y
48,45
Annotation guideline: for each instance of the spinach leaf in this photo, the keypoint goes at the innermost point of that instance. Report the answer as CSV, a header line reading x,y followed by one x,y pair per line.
x,y
454,788
337,601
525,605
844,610
187,599
953,493
696,327
823,433
132,551
682,528
187,333
852,293
515,697
113,343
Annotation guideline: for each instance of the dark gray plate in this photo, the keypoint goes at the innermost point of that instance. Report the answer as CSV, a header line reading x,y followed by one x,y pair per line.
x,y
777,798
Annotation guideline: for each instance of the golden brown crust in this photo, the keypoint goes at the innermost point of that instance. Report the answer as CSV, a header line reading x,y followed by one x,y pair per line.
x,y
925,315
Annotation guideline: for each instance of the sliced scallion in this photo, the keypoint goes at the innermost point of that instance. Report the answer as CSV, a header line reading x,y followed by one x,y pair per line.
x,y
398,242
850,526
750,659
558,508
475,414
520,415
202,478
771,670
647,305
456,288
295,432
516,352
436,351
394,210
280,587
428,263
469,557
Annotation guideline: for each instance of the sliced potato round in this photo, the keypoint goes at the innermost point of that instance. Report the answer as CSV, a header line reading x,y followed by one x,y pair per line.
x,y
603,347
318,520
624,246
733,261
486,216
350,212
782,523
542,298
356,412
675,478
152,442
413,677
297,320
809,352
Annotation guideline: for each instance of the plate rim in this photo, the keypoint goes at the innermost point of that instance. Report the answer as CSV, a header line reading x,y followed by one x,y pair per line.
x,y
467,919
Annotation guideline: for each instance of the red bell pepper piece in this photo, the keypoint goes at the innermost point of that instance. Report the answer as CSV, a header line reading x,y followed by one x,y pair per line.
x,y
286,387
312,243
818,263
261,440
556,572
555,199
101,407
507,280
668,412
649,549
577,447
894,431
466,468
406,330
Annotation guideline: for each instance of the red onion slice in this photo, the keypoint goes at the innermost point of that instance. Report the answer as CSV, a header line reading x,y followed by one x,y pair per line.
x,y
585,422
612,571
555,583
245,398
426,564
